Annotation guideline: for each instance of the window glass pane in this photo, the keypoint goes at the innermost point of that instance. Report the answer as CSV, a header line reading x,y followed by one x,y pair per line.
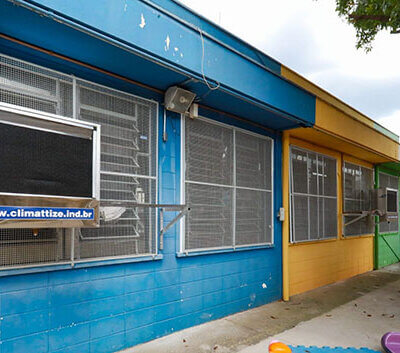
x,y
299,171
367,183
300,219
314,209
253,161
209,222
209,152
253,217
392,224
330,217
350,182
357,188
313,173
314,216
329,176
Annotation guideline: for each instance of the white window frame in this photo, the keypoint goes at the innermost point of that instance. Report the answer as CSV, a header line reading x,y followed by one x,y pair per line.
x,y
344,199
234,187
291,196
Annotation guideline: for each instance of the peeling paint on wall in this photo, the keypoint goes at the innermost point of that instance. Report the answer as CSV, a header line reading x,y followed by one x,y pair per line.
x,y
142,22
167,42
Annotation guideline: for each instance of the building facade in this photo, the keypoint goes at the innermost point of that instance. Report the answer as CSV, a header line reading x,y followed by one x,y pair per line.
x,y
265,141
110,63
328,183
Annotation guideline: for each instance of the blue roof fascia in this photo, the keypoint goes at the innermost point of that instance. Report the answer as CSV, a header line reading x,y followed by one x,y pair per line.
x,y
158,36
219,33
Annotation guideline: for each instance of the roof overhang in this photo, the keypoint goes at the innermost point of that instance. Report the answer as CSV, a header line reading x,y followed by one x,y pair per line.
x,y
144,42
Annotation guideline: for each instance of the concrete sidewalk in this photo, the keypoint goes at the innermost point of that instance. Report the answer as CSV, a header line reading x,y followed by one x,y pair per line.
x,y
355,312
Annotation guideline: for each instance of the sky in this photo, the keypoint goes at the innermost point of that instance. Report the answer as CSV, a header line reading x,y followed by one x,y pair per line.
x,y
310,38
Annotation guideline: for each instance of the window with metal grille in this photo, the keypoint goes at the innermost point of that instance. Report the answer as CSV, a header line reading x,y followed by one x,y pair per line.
x,y
358,182
313,196
128,166
392,223
228,186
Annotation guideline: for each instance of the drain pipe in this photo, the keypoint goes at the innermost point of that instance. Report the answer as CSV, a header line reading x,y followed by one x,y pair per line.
x,y
285,224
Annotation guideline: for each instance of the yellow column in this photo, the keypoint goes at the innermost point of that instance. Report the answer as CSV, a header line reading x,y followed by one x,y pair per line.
x,y
285,224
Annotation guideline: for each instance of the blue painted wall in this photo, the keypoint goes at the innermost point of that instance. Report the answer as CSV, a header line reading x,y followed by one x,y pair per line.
x,y
107,308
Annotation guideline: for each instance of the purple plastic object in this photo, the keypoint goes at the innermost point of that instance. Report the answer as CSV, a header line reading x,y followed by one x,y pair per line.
x,y
391,342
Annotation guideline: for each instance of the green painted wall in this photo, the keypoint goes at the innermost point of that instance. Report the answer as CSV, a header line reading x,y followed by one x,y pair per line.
x,y
387,246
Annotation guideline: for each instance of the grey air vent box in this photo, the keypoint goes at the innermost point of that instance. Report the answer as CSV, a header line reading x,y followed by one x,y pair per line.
x,y
48,161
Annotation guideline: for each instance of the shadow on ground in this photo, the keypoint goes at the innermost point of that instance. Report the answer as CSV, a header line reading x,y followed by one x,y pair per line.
x,y
247,328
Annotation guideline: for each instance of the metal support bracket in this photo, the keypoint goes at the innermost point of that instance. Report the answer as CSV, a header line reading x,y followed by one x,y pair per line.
x,y
183,210
357,216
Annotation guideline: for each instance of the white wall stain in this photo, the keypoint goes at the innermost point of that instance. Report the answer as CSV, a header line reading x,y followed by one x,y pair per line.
x,y
181,55
125,6
176,48
142,22
167,43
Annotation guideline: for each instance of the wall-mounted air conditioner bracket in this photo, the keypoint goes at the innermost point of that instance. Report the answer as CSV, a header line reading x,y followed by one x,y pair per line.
x,y
107,213
360,215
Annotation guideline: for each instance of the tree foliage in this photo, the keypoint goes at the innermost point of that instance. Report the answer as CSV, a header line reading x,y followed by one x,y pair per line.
x,y
369,17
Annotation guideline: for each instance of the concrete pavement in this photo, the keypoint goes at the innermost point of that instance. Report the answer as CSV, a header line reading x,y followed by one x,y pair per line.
x,y
355,312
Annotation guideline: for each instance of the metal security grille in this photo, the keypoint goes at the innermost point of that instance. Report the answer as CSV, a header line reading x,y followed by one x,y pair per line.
x,y
228,186
358,183
313,195
392,182
128,170
128,165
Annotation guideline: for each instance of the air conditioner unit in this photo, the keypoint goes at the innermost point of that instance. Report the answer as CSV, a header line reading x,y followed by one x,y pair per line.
x,y
386,203
49,170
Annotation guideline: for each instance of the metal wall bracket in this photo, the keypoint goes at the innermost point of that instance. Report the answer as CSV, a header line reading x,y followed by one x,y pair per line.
x,y
183,210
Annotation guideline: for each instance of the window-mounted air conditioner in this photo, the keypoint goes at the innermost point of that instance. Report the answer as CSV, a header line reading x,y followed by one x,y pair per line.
x,y
386,201
48,163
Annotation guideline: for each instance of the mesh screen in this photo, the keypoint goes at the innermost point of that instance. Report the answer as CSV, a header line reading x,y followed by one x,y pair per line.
x,y
209,222
314,200
128,150
128,164
209,152
357,186
300,222
253,217
19,247
392,224
34,87
301,172
229,206
253,161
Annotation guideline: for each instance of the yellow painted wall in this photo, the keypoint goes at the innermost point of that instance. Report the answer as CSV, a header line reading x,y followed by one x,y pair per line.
x,y
314,264
320,263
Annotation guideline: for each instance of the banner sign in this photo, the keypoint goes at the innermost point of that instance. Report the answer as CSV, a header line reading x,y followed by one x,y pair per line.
x,y
43,213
